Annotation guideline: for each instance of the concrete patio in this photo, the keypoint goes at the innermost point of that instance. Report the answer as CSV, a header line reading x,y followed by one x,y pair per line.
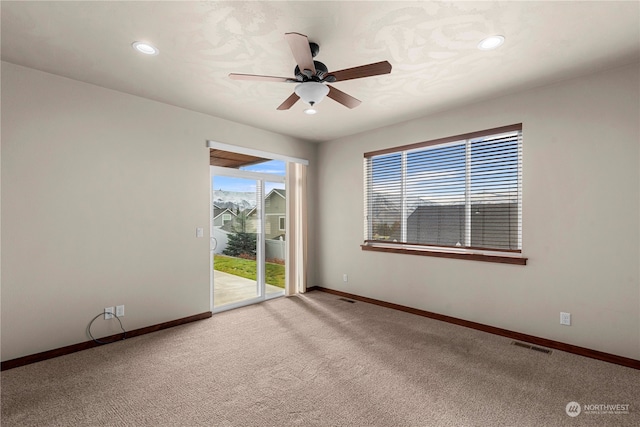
x,y
229,288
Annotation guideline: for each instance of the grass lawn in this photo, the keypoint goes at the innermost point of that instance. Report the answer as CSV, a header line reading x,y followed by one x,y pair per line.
x,y
247,268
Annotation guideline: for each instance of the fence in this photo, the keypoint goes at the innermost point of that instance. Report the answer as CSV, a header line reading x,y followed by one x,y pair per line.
x,y
274,249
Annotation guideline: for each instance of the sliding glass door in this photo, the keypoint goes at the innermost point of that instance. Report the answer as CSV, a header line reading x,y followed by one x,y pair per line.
x,y
248,229
235,238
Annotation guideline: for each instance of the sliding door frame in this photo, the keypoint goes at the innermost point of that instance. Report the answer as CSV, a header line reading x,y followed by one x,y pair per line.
x,y
260,179
295,274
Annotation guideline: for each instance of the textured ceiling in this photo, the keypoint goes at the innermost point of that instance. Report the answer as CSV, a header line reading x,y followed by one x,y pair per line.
x,y
431,46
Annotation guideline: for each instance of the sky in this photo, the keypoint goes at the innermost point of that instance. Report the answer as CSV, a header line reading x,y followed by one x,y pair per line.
x,y
275,167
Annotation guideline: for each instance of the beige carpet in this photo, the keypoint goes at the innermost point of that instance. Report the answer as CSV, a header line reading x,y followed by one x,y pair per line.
x,y
316,360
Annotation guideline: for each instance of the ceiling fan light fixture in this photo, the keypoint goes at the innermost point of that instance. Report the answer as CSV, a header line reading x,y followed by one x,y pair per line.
x,y
490,43
310,111
311,92
145,48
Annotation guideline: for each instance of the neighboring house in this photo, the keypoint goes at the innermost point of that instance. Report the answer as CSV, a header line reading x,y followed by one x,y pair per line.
x,y
445,225
240,222
275,208
222,216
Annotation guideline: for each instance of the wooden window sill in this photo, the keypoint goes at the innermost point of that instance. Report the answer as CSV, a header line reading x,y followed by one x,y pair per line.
x,y
471,256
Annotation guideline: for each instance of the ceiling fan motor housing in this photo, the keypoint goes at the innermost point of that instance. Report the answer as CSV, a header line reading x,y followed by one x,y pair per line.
x,y
315,49
321,72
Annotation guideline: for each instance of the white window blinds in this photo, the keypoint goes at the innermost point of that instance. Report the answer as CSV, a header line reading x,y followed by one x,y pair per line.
x,y
459,192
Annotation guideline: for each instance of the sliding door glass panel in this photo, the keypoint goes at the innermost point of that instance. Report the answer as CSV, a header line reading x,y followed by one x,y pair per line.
x,y
236,226
275,234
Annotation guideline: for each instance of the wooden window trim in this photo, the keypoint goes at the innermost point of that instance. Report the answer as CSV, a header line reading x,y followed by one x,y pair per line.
x,y
464,136
423,251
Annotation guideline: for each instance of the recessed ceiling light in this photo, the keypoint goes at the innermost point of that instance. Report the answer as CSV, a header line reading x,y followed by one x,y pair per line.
x,y
491,43
145,48
310,111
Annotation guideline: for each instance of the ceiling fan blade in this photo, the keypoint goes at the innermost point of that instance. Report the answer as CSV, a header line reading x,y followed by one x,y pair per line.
x,y
255,77
288,103
299,44
341,97
369,70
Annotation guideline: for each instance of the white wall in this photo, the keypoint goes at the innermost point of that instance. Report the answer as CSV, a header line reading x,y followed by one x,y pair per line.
x,y
581,218
102,192
101,195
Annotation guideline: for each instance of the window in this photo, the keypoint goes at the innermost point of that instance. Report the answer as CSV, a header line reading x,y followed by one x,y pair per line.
x,y
457,197
282,223
226,218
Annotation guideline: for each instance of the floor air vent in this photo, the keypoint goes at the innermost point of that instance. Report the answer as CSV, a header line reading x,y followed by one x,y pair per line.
x,y
531,347
540,349
347,300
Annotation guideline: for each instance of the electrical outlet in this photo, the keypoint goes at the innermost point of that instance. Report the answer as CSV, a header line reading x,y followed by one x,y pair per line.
x,y
108,313
120,310
345,277
565,318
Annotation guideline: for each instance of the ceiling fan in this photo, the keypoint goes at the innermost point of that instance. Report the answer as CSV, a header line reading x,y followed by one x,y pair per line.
x,y
312,76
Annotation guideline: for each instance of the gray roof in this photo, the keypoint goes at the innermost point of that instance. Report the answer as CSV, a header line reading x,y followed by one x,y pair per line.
x,y
217,211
